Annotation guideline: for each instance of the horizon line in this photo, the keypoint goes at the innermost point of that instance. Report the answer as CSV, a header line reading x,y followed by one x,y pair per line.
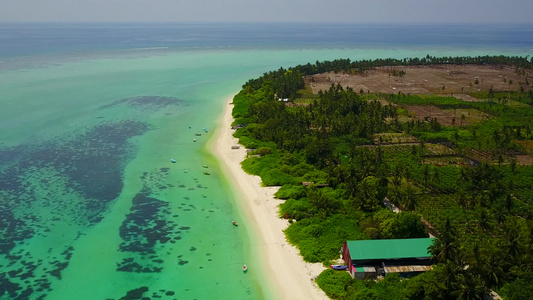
x,y
276,22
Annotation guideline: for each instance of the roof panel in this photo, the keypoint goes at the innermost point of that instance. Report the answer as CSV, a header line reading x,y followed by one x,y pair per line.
x,y
389,249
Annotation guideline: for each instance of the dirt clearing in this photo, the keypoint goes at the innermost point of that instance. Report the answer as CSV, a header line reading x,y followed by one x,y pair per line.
x,y
438,79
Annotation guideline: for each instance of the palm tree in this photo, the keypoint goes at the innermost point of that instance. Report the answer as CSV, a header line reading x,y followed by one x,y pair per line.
x,y
464,175
500,215
493,272
435,176
509,202
395,195
462,200
513,165
368,194
397,175
500,160
444,248
469,286
512,241
409,199
407,174
483,220
474,258
425,174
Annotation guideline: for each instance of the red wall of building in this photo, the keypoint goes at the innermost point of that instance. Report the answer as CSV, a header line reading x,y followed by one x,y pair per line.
x,y
346,256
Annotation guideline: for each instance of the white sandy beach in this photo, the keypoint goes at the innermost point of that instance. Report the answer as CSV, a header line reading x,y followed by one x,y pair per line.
x,y
290,276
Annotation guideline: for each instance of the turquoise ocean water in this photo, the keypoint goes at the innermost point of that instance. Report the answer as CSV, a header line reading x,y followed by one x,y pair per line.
x,y
91,114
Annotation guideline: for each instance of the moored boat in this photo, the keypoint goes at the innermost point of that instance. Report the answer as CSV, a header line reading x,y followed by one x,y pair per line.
x,y
234,223
244,268
172,160
338,267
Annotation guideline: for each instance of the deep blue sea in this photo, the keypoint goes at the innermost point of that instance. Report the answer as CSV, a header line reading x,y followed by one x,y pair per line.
x,y
91,206
19,39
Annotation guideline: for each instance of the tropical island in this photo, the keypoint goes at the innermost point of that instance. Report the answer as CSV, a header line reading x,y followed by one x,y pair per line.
x,y
399,149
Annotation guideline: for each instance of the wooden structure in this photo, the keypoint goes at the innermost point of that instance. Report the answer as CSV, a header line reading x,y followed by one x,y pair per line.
x,y
370,258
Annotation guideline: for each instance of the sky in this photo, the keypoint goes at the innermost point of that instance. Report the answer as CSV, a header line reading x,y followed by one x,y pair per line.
x,y
352,11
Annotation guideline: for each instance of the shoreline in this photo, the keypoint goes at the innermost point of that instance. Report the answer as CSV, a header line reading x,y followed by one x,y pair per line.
x,y
287,275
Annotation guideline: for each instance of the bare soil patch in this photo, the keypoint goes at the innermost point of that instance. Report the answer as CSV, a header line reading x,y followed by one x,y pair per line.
x,y
525,160
422,111
492,158
438,79
385,102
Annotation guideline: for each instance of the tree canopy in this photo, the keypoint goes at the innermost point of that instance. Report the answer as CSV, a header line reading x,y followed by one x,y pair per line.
x,y
462,182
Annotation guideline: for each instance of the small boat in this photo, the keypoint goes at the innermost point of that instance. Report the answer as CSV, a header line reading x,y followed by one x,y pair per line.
x,y
244,268
194,140
338,267
172,160
205,130
198,134
234,223
207,173
205,166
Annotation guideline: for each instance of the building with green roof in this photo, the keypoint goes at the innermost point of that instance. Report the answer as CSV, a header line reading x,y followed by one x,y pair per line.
x,y
397,255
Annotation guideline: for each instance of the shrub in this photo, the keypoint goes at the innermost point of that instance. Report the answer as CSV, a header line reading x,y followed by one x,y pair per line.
x,y
297,209
240,105
320,240
520,289
248,142
333,283
291,191
264,151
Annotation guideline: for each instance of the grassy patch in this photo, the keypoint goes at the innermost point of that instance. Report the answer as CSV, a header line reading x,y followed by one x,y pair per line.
x,y
394,138
471,116
306,95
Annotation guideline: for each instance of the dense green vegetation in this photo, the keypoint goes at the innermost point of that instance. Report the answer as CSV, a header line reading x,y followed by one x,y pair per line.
x,y
464,180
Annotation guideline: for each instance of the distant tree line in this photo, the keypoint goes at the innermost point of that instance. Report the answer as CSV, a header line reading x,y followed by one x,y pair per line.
x,y
287,82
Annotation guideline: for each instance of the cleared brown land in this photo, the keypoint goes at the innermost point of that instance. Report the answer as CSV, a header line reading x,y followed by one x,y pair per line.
x,y
460,82
433,112
525,160
438,79
444,80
